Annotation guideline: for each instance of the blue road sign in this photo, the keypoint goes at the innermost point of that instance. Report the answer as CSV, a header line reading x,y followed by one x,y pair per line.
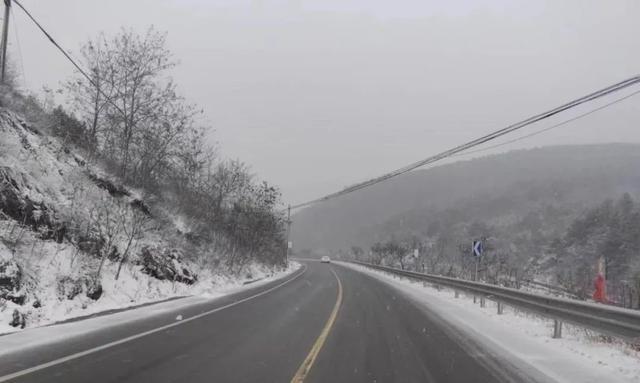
x,y
477,248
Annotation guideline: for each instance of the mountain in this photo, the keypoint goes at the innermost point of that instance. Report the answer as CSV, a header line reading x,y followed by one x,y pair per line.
x,y
496,187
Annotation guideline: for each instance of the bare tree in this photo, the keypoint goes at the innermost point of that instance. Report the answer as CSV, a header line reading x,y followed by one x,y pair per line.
x,y
134,224
132,109
90,99
105,219
357,253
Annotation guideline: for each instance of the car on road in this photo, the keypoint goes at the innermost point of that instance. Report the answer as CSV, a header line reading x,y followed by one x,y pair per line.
x,y
325,259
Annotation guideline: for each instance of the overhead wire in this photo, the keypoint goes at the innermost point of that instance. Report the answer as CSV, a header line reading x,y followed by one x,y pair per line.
x,y
68,56
478,141
565,122
55,43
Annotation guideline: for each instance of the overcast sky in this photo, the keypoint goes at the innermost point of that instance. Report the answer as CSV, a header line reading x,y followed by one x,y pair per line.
x,y
317,95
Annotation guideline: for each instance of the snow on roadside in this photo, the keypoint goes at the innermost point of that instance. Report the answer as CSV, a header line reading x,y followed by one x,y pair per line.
x,y
39,336
49,260
59,214
578,357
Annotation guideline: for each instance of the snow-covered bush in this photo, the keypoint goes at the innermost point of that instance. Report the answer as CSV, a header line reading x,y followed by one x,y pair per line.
x,y
166,264
10,281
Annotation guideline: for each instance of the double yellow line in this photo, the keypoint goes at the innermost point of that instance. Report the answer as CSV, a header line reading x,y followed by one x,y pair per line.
x,y
305,367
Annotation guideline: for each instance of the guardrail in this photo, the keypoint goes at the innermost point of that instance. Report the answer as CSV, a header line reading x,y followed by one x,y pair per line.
x,y
556,289
614,321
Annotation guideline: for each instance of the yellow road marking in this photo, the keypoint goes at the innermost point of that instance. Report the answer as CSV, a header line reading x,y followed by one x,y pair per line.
x,y
305,367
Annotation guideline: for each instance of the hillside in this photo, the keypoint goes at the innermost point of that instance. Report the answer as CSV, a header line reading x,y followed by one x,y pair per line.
x,y
117,197
75,240
489,186
550,214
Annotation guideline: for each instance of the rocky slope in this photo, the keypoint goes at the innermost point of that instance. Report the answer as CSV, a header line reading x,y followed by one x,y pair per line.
x,y
74,241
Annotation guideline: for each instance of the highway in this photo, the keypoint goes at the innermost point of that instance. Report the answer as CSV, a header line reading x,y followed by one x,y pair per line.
x,y
324,323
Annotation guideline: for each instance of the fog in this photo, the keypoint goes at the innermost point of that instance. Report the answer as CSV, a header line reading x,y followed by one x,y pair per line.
x,y
318,95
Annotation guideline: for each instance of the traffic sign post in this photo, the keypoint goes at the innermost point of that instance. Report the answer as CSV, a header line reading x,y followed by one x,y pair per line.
x,y
476,275
477,249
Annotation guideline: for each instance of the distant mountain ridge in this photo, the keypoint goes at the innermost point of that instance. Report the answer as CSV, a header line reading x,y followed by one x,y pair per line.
x,y
580,175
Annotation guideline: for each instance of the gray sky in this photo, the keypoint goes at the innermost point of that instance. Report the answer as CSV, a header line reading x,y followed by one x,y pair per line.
x,y
317,95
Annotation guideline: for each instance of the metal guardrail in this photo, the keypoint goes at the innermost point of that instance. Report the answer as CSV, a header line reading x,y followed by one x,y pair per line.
x,y
614,321
557,289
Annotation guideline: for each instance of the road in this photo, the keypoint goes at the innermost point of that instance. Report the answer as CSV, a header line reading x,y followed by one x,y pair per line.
x,y
324,323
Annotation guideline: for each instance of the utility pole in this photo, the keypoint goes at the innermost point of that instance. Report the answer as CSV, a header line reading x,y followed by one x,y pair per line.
x,y
5,37
286,255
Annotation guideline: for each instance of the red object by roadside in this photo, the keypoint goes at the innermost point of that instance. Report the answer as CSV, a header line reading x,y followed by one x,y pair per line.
x,y
600,295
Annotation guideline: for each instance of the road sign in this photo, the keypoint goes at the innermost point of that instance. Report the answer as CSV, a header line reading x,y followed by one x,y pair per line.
x,y
477,248
290,245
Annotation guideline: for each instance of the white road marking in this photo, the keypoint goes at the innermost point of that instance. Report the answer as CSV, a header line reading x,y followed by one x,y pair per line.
x,y
77,355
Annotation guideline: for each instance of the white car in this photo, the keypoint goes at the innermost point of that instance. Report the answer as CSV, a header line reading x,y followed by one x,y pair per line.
x,y
325,259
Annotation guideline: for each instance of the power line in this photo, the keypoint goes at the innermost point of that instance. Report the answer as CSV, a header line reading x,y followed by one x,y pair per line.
x,y
78,67
550,127
478,141
56,44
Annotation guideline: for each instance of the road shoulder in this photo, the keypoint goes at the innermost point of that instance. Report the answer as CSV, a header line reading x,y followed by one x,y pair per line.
x,y
125,323
523,340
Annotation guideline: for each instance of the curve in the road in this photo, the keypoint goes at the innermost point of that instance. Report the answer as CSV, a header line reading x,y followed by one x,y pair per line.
x,y
306,365
359,329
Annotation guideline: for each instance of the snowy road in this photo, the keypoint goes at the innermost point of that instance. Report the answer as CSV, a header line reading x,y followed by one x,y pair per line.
x,y
379,335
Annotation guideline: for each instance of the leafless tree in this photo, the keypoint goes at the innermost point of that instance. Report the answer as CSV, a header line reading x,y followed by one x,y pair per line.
x,y
91,99
105,219
134,223
131,108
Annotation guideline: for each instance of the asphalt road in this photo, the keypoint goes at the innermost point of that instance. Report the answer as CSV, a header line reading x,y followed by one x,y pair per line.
x,y
376,335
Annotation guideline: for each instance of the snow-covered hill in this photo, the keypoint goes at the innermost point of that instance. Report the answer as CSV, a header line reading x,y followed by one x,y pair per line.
x,y
74,241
